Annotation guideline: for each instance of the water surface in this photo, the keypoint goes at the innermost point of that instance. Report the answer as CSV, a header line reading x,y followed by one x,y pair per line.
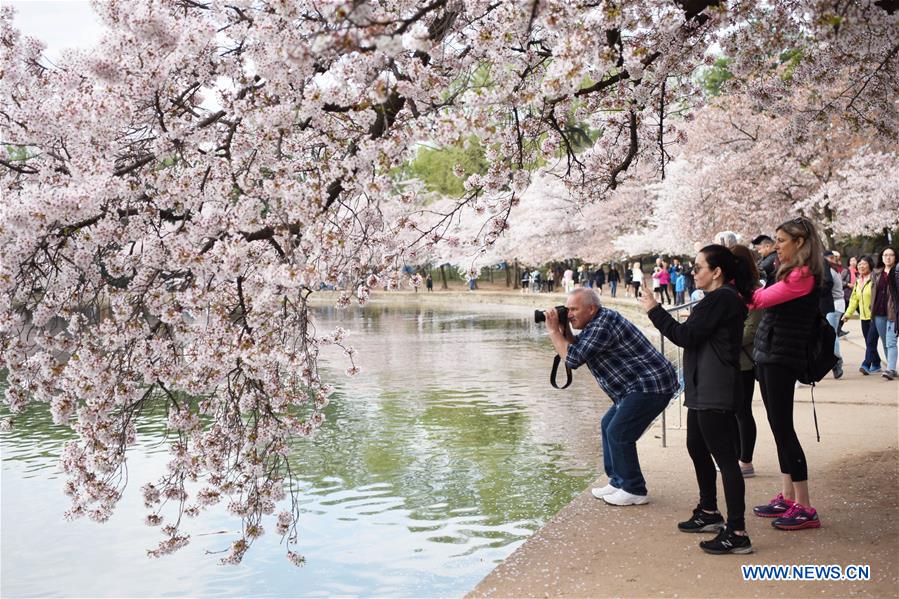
x,y
440,458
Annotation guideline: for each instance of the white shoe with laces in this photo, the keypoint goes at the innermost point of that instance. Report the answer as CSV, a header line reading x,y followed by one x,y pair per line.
x,y
600,492
622,497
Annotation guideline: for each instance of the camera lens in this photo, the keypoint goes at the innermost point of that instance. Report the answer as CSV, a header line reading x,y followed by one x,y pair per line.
x,y
539,316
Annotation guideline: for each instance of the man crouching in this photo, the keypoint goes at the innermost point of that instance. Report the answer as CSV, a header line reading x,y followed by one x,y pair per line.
x,y
636,377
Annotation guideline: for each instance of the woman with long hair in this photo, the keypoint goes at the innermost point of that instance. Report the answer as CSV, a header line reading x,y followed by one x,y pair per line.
x,y
745,422
712,337
883,310
791,306
861,301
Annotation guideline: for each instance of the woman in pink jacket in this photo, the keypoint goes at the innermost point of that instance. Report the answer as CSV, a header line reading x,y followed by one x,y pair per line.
x,y
664,280
791,306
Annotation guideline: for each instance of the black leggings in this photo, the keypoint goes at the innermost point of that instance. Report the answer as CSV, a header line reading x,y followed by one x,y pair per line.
x,y
778,385
744,437
709,433
663,293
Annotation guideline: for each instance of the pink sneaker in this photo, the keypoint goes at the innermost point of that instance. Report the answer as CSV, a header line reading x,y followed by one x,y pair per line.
x,y
775,508
797,518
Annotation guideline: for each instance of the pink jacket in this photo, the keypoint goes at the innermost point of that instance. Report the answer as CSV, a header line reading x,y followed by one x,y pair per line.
x,y
796,284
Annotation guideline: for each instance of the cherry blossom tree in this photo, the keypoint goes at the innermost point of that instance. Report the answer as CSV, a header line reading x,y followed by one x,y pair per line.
x,y
743,169
173,196
862,195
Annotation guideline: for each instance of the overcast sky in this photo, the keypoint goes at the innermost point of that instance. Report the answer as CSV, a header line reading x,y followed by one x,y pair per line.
x,y
60,24
65,24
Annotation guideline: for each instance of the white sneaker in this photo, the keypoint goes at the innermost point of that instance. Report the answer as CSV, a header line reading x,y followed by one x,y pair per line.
x,y
622,497
600,492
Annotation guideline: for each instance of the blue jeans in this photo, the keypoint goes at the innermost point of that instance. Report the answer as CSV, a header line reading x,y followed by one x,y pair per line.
x,y
622,425
886,330
892,336
833,318
614,285
869,332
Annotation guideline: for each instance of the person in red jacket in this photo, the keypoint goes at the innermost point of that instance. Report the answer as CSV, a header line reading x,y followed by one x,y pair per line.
x,y
791,304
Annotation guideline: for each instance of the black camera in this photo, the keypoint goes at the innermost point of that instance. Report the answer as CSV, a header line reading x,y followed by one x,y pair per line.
x,y
540,315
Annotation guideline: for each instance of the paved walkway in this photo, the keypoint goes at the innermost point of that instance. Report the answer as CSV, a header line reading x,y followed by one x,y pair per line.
x,y
594,550
591,549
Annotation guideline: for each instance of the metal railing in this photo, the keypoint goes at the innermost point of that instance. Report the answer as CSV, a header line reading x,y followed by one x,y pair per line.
x,y
678,312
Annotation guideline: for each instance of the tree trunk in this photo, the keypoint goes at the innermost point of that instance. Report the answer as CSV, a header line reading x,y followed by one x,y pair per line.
x,y
443,277
828,227
508,276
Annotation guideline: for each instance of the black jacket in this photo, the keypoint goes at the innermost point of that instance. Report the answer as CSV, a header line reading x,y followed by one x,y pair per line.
x,y
711,337
783,335
894,294
825,300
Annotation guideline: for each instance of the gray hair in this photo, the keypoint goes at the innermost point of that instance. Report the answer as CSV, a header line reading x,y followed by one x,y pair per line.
x,y
588,295
727,238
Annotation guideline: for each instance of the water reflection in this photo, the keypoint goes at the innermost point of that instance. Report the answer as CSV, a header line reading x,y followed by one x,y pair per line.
x,y
441,457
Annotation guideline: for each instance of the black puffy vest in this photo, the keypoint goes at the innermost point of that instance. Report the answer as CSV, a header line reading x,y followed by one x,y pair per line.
x,y
825,301
784,332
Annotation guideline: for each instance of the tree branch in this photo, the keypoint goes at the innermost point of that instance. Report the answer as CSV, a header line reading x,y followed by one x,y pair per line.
x,y
631,152
124,170
25,170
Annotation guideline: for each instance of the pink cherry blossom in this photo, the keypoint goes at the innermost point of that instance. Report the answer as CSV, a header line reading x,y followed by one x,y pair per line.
x,y
173,196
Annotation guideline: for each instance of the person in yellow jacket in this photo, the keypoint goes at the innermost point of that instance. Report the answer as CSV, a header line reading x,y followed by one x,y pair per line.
x,y
861,300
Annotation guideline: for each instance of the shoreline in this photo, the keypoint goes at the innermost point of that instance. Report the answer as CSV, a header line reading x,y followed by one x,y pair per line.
x,y
495,297
590,549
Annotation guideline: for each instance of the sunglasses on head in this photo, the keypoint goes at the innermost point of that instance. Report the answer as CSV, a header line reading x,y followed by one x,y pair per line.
x,y
802,222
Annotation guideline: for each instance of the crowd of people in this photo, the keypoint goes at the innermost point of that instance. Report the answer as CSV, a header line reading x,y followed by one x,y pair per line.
x,y
873,284
672,281
858,287
754,322
867,286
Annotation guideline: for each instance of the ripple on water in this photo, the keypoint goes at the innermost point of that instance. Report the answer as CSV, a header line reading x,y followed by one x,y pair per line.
x,y
444,455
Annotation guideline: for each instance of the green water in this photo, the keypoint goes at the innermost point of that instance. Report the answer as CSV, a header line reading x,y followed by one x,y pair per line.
x,y
440,458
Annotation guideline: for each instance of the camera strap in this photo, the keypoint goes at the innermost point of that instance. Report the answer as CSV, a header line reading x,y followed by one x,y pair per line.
x,y
552,375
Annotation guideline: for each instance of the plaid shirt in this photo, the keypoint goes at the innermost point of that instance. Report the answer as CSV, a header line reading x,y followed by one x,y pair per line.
x,y
621,358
